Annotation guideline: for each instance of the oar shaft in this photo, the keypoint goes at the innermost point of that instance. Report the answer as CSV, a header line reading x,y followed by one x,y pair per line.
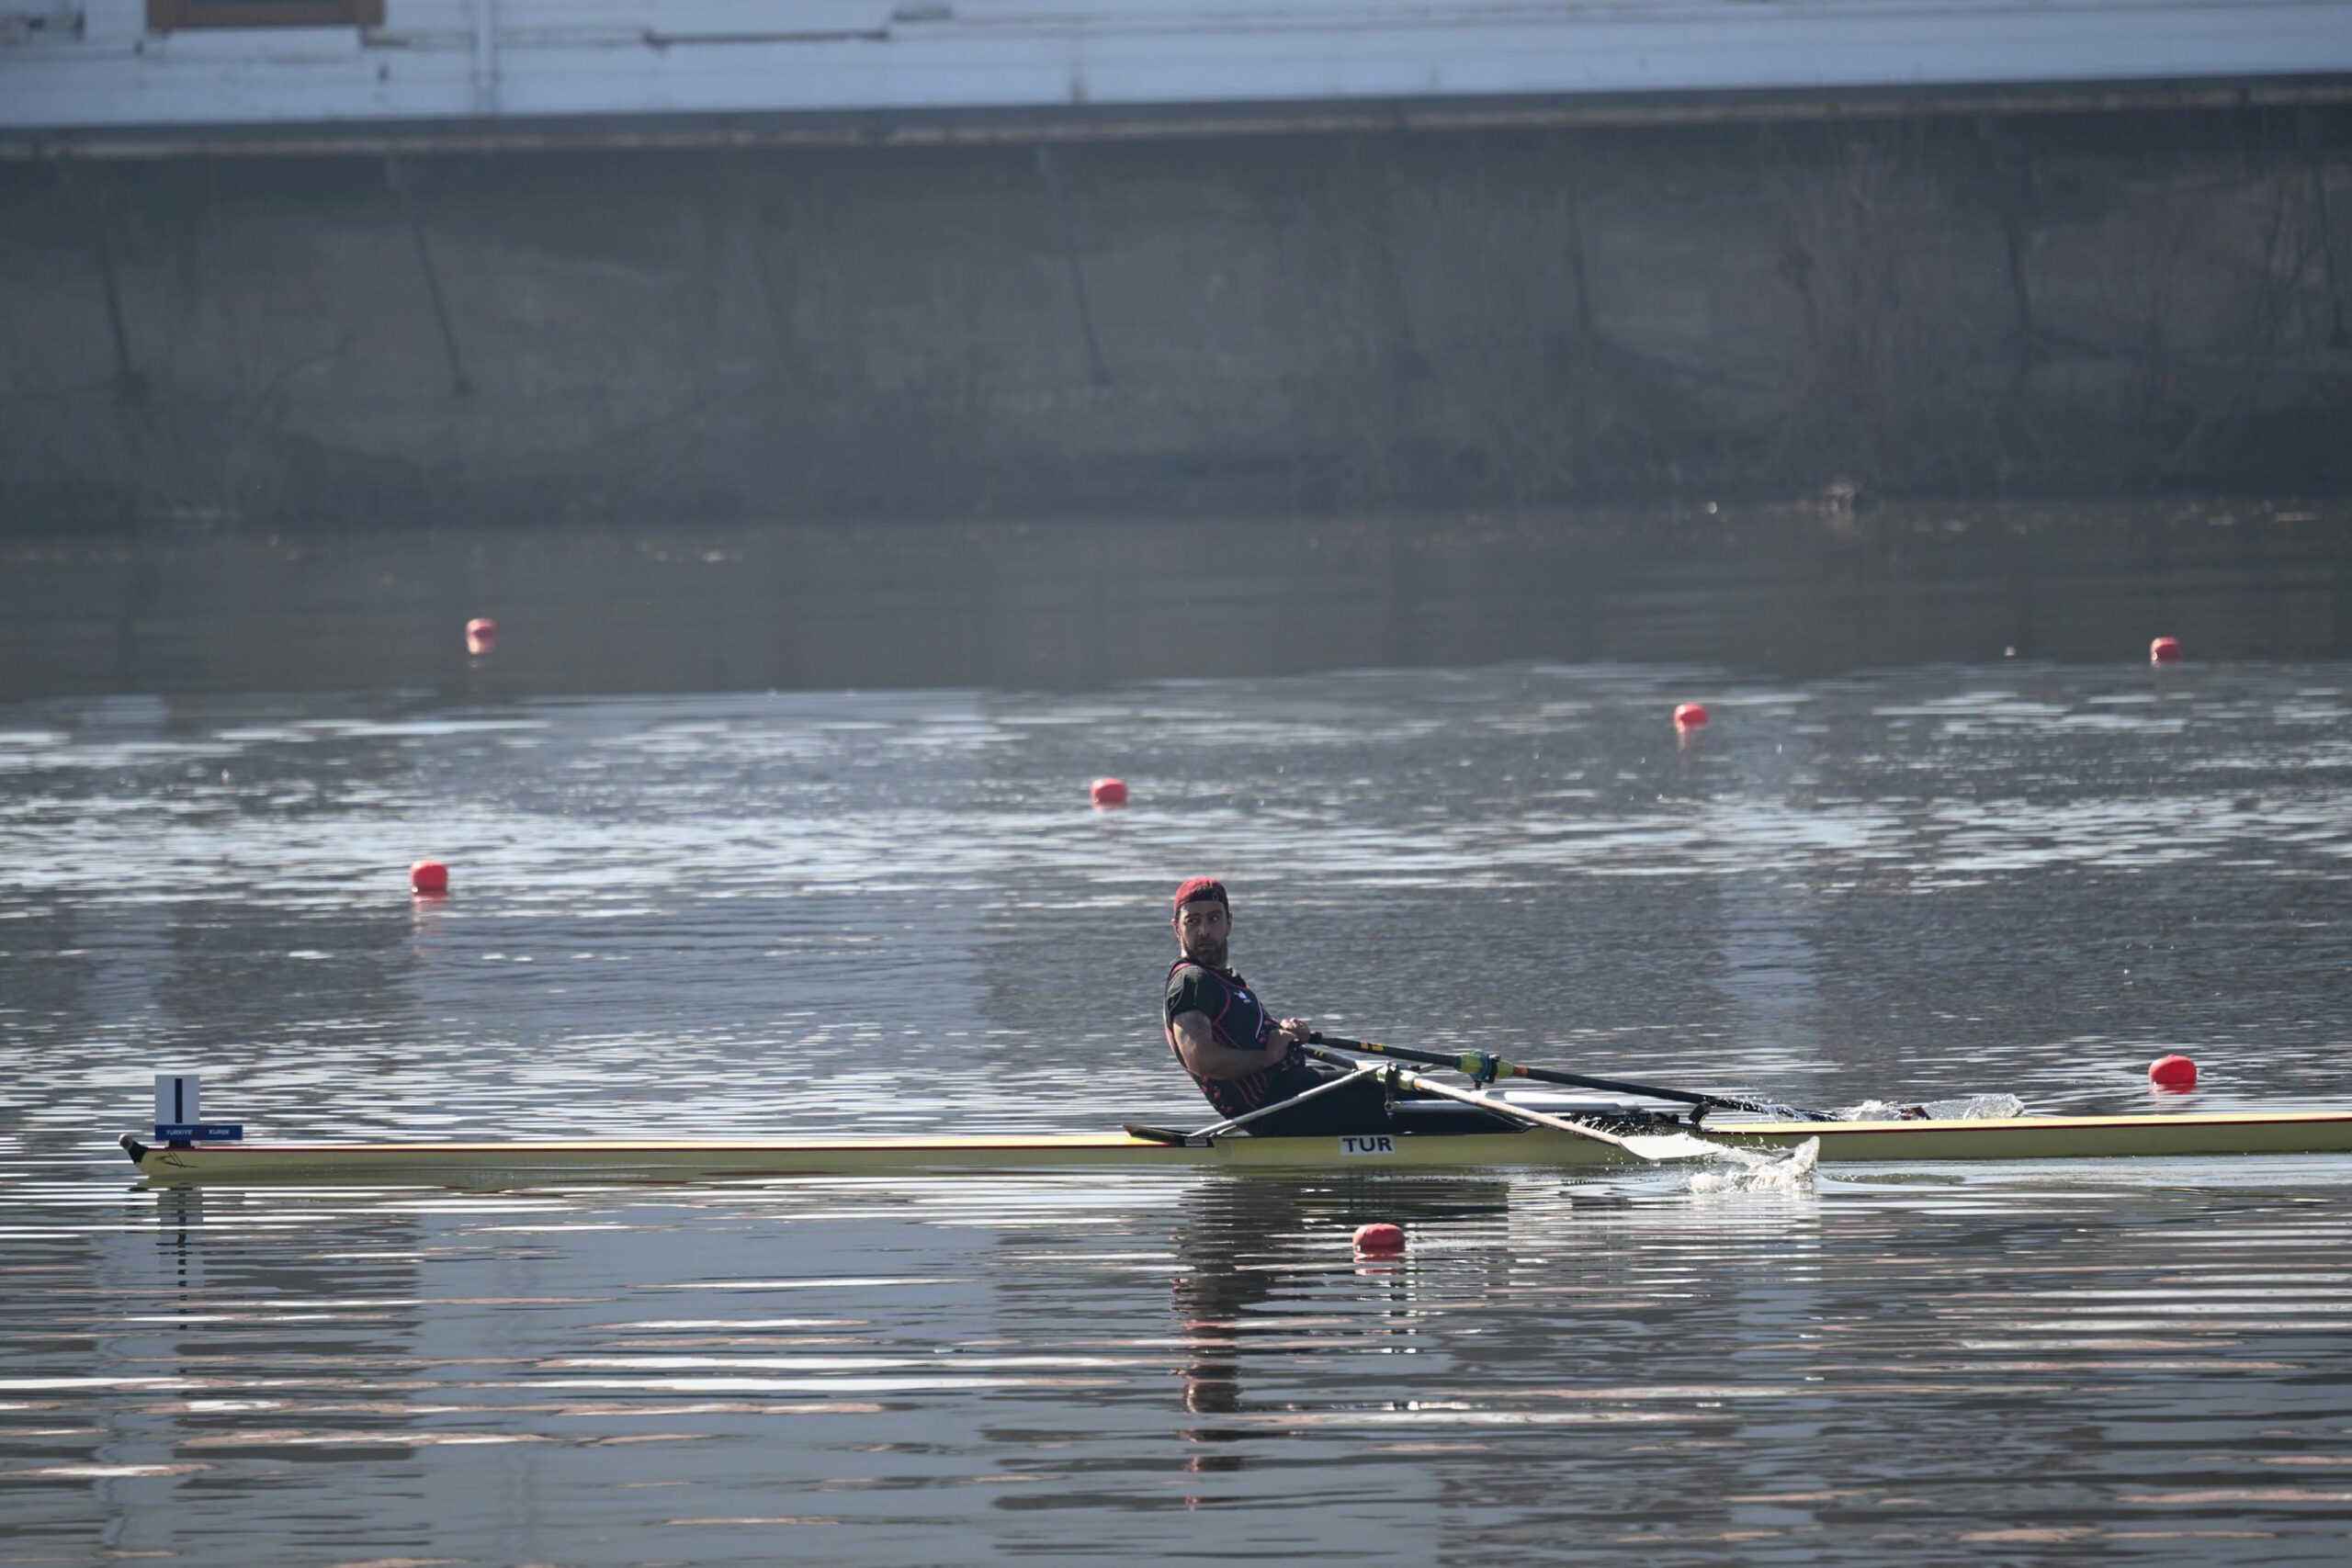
x,y
1471,1063
1216,1129
1465,1063
1497,1103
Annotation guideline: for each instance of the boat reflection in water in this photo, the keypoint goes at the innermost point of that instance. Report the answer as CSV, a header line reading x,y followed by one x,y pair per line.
x,y
1267,1281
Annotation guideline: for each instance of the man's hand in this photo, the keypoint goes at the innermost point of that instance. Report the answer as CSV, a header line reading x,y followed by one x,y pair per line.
x,y
1295,1031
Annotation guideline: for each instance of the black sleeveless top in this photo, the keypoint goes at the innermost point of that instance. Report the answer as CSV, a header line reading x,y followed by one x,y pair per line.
x,y
1237,1019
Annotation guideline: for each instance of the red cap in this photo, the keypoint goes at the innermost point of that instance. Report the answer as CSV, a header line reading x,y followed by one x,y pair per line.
x,y
1202,887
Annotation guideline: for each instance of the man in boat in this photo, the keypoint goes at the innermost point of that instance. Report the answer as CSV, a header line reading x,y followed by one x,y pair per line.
x,y
1242,1058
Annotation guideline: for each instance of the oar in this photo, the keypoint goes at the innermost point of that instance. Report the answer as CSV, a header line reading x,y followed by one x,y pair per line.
x,y
1202,1136
1485,1068
1649,1146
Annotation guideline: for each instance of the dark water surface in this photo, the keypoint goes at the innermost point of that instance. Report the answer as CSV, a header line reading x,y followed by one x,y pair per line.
x,y
788,909
1075,604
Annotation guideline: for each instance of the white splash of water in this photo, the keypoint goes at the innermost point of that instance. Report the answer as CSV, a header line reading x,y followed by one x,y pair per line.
x,y
1763,1170
1977,1108
1971,1108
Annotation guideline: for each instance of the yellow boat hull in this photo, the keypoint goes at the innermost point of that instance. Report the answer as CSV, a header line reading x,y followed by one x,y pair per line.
x,y
671,1159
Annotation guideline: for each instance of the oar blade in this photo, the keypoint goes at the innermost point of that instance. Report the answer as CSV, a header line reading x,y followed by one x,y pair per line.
x,y
1667,1147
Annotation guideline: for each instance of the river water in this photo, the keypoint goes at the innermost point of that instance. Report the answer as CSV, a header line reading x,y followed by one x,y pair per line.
x,y
795,849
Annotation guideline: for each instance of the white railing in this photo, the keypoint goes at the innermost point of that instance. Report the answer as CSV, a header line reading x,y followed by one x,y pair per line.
x,y
93,64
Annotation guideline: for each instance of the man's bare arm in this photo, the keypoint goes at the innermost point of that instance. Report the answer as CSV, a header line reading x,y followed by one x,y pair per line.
x,y
1205,1056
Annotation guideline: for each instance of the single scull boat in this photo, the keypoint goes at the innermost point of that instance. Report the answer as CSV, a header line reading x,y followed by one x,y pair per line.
x,y
2005,1138
1438,1126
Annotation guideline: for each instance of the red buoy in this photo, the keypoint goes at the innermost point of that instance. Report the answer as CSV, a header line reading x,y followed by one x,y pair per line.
x,y
2165,650
1689,716
2172,1072
481,634
1107,791
429,876
1380,1240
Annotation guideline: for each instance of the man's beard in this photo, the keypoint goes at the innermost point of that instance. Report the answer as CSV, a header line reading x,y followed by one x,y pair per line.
x,y
1202,950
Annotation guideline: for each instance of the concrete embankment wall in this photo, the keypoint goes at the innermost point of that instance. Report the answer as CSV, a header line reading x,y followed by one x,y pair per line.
x,y
1459,319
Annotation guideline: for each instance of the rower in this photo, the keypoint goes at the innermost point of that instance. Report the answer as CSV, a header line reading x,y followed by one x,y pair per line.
x,y
1241,1057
